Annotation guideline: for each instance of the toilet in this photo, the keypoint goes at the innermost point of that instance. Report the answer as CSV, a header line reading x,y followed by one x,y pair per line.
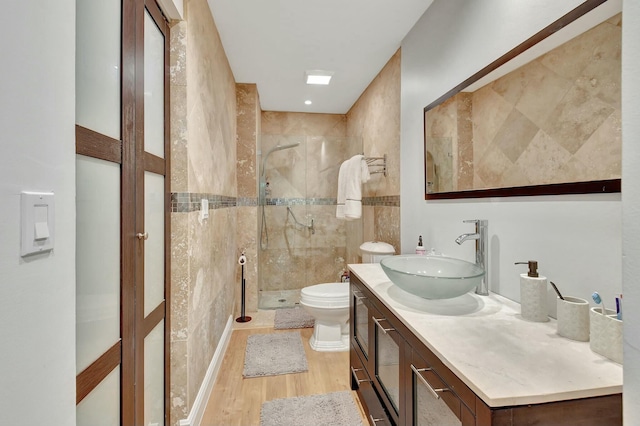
x,y
329,304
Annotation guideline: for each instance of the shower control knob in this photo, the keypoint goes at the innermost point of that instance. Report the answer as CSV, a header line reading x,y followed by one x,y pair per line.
x,y
142,236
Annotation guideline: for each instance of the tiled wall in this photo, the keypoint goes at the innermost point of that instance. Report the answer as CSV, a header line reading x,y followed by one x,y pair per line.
x,y
556,119
248,128
373,125
304,177
203,165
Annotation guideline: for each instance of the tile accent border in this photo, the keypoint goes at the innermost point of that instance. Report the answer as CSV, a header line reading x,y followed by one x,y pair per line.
x,y
385,200
186,202
301,201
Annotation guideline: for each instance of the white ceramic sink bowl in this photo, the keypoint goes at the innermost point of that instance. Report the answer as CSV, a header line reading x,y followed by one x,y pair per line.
x,y
432,277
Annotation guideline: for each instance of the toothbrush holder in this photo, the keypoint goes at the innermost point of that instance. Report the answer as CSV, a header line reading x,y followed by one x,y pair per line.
x,y
606,334
573,318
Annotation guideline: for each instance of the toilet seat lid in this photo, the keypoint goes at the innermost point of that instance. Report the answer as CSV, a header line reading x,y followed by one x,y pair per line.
x,y
326,294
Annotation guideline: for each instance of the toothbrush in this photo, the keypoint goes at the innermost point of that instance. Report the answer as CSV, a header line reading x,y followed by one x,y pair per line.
x,y
556,289
596,298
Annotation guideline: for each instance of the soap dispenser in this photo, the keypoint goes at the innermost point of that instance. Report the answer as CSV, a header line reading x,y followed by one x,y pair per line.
x,y
533,294
420,248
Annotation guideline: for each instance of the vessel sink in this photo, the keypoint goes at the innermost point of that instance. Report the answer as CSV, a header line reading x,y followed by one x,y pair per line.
x,y
432,277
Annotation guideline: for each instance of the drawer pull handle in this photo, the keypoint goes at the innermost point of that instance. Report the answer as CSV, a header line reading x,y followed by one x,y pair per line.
x,y
433,391
355,376
384,330
374,420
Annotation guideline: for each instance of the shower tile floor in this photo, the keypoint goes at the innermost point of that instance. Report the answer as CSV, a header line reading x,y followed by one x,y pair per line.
x,y
279,299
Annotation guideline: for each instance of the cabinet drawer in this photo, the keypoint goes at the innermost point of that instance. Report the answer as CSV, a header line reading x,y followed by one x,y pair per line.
x,y
433,401
361,382
466,395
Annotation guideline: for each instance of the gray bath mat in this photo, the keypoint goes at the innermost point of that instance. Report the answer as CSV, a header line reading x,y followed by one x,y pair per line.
x,y
336,408
292,318
273,354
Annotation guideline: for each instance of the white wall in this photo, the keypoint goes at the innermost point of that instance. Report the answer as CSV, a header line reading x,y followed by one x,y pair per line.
x,y
37,296
631,208
576,239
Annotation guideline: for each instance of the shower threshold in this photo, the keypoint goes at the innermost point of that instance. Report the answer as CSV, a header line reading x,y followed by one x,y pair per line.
x,y
276,299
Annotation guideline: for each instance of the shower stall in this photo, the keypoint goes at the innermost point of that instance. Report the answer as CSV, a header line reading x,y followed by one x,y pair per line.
x,y
300,240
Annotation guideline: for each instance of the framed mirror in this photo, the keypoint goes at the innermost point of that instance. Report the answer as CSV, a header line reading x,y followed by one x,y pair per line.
x,y
543,119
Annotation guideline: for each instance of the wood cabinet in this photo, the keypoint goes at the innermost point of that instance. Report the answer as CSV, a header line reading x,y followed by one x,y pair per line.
x,y
400,381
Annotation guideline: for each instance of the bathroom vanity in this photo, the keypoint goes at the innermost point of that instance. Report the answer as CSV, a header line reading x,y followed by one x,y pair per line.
x,y
471,360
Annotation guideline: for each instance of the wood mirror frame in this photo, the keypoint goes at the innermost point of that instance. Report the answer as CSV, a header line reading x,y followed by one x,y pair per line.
x,y
583,187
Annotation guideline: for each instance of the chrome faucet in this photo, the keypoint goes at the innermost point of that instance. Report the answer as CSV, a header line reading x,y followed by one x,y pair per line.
x,y
482,255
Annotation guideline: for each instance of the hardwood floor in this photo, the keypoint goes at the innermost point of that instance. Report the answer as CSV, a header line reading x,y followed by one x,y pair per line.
x,y
237,401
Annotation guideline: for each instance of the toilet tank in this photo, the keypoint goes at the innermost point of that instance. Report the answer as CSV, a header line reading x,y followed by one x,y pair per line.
x,y
374,251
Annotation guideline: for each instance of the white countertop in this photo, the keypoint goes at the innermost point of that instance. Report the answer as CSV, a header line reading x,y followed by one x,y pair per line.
x,y
503,358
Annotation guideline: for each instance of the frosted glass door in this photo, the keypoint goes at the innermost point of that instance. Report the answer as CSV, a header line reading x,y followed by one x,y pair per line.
x,y
154,220
153,87
98,51
97,258
99,222
387,360
154,376
102,406
361,322
154,245
121,212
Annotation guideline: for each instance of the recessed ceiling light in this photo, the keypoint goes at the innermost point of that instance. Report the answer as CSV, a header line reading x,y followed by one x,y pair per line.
x,y
318,76
308,102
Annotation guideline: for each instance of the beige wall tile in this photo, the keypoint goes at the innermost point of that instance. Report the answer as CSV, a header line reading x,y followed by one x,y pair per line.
x,y
248,116
375,120
247,240
179,381
203,154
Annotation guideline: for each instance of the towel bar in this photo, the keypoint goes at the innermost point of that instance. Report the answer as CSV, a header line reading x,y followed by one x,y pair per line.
x,y
375,162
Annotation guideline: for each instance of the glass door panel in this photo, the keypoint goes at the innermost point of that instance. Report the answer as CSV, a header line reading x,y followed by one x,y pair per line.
x,y
102,406
154,376
428,409
387,360
97,258
98,45
154,246
153,87
362,322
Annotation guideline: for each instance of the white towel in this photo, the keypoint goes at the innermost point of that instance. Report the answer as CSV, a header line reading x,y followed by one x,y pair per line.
x,y
353,188
356,172
342,184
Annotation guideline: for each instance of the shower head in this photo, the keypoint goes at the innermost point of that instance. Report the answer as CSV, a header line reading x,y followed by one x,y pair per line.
x,y
274,149
279,147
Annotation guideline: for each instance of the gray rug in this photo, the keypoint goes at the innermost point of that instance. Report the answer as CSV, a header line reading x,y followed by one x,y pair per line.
x,y
292,318
273,354
331,409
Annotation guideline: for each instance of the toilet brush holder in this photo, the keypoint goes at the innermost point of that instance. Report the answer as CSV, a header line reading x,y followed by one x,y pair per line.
x,y
243,318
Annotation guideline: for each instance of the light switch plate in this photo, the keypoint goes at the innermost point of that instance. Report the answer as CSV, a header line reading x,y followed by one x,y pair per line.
x,y
204,209
37,219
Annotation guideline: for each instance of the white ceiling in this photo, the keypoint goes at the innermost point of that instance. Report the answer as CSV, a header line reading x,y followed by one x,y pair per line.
x,y
272,42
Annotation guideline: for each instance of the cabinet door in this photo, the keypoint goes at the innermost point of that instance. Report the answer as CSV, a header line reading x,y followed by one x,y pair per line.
x,y
360,320
361,382
387,360
432,402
